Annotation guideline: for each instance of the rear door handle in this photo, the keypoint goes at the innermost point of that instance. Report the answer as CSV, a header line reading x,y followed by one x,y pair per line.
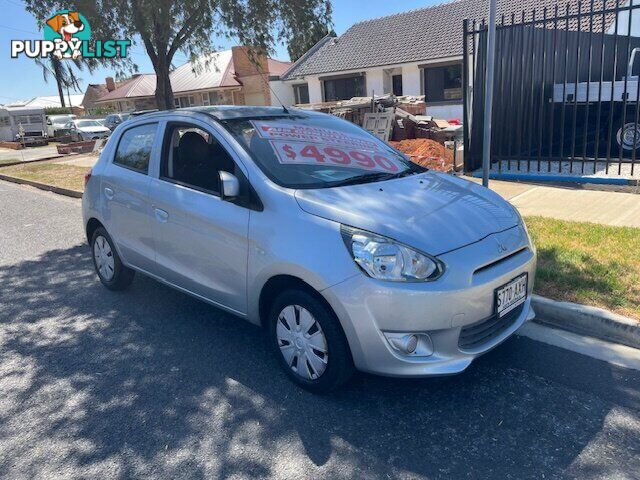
x,y
108,192
161,215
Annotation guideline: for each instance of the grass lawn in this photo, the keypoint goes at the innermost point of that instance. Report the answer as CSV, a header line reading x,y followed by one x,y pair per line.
x,y
59,175
587,263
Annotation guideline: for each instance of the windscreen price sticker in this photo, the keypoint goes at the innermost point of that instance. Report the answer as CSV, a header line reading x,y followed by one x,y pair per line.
x,y
322,154
295,132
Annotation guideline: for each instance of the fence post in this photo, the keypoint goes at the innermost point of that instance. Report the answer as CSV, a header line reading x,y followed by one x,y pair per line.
x,y
488,104
465,94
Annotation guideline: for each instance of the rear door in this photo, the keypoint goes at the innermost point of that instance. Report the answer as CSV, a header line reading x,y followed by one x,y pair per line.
x,y
201,239
125,193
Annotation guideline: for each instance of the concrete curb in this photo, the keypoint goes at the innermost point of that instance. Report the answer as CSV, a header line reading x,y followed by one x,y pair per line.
x,y
43,186
585,320
24,162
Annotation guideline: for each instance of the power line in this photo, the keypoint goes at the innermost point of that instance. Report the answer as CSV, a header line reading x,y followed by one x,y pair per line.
x,y
15,3
18,30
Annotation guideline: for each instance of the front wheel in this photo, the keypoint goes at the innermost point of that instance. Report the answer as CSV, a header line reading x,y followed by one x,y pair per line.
x,y
309,342
628,138
112,273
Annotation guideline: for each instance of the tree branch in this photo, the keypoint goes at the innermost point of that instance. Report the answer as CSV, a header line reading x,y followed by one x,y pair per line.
x,y
183,33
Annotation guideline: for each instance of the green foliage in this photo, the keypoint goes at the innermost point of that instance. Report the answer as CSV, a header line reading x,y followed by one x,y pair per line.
x,y
102,110
306,39
587,263
166,27
57,111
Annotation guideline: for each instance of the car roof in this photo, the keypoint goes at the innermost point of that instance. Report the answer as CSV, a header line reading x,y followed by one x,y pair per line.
x,y
227,112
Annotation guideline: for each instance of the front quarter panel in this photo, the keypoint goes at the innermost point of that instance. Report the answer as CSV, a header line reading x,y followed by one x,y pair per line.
x,y
284,240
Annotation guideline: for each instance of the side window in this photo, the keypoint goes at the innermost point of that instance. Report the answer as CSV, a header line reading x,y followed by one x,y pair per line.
x,y
134,148
193,157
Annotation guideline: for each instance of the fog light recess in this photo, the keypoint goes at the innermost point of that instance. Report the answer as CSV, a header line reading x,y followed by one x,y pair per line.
x,y
410,344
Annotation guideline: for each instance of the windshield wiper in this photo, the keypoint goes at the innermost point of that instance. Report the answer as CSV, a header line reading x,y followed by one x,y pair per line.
x,y
369,177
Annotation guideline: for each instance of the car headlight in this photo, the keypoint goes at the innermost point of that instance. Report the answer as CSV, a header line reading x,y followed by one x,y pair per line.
x,y
385,259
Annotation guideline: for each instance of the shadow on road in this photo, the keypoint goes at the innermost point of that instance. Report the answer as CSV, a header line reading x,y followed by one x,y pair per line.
x,y
153,382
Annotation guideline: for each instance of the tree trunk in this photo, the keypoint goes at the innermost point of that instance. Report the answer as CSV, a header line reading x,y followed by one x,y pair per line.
x,y
57,73
164,92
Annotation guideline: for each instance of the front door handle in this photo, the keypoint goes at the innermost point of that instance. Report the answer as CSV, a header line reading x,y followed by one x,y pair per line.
x,y
108,192
161,215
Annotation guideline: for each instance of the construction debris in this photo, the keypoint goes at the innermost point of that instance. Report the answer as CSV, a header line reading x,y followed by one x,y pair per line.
x,y
427,153
404,123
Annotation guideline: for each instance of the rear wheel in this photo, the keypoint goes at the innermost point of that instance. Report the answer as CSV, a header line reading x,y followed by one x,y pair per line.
x,y
628,138
309,342
112,273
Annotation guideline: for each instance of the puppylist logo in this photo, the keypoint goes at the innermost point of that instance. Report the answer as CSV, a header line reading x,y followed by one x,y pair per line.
x,y
67,35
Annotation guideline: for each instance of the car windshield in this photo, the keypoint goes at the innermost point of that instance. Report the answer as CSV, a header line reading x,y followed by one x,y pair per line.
x,y
88,123
317,151
61,120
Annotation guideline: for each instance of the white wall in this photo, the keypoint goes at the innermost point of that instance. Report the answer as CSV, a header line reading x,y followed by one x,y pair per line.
x,y
411,84
375,81
315,89
283,91
446,112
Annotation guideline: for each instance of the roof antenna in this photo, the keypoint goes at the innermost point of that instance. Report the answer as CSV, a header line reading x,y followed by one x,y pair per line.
x,y
266,80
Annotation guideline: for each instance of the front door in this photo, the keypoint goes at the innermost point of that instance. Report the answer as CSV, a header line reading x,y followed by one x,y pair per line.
x,y
200,239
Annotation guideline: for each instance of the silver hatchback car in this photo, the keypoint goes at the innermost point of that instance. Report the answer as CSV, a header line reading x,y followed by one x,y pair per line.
x,y
348,254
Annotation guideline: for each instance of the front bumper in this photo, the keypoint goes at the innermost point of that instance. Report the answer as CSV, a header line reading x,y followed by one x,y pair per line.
x,y
462,297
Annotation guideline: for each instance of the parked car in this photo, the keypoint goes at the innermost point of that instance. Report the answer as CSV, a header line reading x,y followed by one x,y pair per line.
x,y
82,130
348,254
115,119
56,124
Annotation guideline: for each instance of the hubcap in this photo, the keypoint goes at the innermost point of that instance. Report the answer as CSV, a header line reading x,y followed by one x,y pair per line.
x,y
302,342
629,136
104,258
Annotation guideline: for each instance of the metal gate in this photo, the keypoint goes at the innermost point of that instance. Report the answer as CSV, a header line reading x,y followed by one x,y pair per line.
x,y
566,93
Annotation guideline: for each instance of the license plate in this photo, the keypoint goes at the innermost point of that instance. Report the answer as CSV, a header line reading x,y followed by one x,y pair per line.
x,y
511,295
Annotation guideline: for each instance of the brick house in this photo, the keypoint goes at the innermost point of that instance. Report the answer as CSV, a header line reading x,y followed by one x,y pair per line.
x,y
222,78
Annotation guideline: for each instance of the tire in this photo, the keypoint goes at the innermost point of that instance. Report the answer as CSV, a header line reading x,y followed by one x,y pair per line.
x,y
629,131
112,273
304,356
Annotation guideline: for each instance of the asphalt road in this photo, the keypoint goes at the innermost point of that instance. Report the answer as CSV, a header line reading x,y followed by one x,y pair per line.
x,y
152,383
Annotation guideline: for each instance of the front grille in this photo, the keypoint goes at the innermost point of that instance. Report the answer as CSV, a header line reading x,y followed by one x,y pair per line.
x,y
481,333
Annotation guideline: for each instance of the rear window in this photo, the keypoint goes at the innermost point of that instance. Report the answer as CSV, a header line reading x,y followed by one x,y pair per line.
x,y
316,151
134,148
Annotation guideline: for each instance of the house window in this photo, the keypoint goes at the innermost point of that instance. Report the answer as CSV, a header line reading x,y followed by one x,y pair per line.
x,y
5,122
343,88
28,119
396,82
301,93
183,102
443,83
217,98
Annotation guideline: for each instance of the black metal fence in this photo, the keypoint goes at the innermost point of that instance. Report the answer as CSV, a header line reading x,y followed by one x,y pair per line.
x,y
566,96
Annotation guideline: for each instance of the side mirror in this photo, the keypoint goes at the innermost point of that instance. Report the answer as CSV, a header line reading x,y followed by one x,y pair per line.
x,y
229,185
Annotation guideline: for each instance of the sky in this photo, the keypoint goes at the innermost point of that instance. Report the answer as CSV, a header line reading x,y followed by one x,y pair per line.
x,y
22,79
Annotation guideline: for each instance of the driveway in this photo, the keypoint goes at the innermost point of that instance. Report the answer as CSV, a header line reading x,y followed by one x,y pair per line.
x,y
152,383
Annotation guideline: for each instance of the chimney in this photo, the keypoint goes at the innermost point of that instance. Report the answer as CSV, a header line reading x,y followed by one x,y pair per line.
x,y
244,67
111,85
